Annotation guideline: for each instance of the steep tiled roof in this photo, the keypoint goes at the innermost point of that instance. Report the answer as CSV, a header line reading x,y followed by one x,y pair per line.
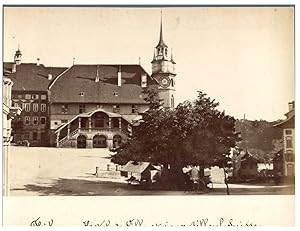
x,y
30,77
77,84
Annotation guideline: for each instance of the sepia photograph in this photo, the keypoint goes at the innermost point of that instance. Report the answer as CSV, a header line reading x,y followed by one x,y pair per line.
x,y
148,101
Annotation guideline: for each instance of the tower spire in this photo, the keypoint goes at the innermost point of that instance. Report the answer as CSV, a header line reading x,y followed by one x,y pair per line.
x,y
161,42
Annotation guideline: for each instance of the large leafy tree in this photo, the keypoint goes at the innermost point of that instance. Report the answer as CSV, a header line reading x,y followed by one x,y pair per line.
x,y
195,133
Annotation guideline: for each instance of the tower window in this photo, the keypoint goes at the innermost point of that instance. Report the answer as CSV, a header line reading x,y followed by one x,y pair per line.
x,y
172,101
172,83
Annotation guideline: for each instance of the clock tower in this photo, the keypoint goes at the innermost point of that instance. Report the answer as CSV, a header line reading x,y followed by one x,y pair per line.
x,y
163,71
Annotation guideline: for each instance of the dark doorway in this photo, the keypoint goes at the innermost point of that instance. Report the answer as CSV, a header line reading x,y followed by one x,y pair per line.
x,y
99,141
81,141
117,141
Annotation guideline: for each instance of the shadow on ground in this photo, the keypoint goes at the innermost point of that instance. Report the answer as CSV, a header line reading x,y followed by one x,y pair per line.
x,y
78,187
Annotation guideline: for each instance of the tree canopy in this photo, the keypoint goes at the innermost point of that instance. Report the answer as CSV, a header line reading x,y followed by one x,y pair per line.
x,y
194,133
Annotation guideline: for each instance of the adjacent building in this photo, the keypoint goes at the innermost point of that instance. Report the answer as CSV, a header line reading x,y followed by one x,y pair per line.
x,y
288,127
8,113
30,93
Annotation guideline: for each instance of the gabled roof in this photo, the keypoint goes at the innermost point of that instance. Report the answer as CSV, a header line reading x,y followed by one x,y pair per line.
x,y
289,122
77,84
30,76
136,167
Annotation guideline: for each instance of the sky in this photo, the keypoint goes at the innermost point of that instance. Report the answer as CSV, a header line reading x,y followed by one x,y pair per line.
x,y
242,57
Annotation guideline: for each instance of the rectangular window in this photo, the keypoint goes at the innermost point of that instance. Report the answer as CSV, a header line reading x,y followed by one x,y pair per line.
x,y
35,96
289,142
35,107
43,97
27,120
64,121
43,120
116,108
20,97
64,109
34,135
35,120
81,108
43,107
27,96
134,109
27,107
288,132
289,157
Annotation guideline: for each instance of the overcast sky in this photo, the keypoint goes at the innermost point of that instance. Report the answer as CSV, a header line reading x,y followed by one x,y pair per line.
x,y
242,57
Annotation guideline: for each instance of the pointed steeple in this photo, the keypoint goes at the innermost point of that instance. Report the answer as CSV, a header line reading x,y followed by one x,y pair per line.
x,y
161,42
18,56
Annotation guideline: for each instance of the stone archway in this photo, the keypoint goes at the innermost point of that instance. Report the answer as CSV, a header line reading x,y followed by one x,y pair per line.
x,y
99,141
117,140
81,141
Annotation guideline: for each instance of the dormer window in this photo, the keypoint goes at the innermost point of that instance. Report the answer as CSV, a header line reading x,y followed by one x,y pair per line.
x,y
81,93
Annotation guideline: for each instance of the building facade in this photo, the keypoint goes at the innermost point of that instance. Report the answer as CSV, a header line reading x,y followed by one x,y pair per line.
x,y
93,106
288,127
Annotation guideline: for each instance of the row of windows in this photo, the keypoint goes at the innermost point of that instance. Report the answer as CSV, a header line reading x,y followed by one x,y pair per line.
x,y
35,106
116,108
32,96
35,120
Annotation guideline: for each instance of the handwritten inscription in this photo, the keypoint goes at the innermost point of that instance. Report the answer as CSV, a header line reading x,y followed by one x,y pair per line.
x,y
138,222
39,222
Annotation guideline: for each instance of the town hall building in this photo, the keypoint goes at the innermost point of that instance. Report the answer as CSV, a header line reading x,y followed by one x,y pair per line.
x,y
94,106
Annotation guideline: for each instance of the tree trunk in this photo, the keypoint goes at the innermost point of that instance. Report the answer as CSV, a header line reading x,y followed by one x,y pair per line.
x,y
176,177
226,181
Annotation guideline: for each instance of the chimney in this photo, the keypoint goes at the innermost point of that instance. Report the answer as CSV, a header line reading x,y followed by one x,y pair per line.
x,y
97,79
119,77
291,105
14,68
38,61
144,80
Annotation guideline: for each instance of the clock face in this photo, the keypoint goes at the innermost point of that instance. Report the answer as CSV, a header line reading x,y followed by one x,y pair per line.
x,y
165,81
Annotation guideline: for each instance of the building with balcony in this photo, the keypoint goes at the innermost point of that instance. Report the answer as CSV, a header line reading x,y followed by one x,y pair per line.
x,y
93,106
288,128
